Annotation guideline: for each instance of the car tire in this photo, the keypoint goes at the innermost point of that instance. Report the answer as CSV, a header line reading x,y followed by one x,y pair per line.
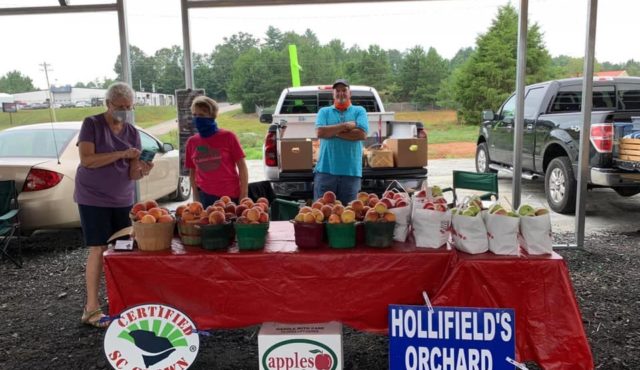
x,y
560,186
627,191
483,160
183,192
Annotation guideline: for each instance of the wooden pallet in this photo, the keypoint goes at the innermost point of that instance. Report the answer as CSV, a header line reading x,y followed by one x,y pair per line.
x,y
632,142
627,157
629,150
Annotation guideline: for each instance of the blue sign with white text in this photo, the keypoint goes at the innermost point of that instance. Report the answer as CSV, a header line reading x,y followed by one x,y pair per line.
x,y
451,338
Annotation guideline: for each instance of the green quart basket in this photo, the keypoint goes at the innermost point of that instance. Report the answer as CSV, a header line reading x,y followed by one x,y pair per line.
x,y
190,234
341,235
251,236
378,234
217,237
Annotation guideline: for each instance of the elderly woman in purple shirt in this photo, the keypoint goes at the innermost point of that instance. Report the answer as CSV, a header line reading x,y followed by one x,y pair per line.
x,y
109,148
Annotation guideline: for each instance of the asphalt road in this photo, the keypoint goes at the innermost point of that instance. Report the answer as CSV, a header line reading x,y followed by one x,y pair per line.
x,y
605,211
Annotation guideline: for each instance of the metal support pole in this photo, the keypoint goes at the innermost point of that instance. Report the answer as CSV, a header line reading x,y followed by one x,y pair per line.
x,y
587,104
125,59
521,68
186,41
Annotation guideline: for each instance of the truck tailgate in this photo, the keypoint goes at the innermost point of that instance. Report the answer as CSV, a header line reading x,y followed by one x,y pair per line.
x,y
367,173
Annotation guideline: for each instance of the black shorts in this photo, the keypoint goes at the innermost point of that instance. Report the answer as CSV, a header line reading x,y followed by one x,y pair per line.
x,y
99,223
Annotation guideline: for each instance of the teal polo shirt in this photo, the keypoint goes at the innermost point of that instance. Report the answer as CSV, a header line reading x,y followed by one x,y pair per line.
x,y
338,156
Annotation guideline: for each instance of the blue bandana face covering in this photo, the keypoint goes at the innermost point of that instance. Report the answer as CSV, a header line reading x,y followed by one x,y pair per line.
x,y
206,126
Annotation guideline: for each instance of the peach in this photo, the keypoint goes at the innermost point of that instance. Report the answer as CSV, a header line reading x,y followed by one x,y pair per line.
x,y
247,202
441,200
373,201
187,215
195,207
334,219
217,218
155,212
318,215
229,216
317,205
428,205
388,194
148,219
150,204
421,194
245,212
219,209
326,210
141,214
225,199
242,220
371,216
309,218
299,217
390,217
180,209
329,197
305,209
239,209
401,203
390,203
263,206
348,216
263,200
363,197
165,211
381,208
230,208
165,219
253,214
264,218
338,209
440,207
138,207
398,196
357,205
218,203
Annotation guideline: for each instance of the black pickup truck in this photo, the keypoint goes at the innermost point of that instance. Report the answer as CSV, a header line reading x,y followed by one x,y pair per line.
x,y
552,125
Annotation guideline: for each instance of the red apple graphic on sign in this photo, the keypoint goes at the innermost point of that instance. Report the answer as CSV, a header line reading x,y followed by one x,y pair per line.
x,y
322,360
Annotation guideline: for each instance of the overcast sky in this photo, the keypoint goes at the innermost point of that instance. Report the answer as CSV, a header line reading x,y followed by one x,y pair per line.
x,y
82,47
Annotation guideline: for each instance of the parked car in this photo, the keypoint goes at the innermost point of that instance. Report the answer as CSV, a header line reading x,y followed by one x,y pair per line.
x,y
44,169
82,104
68,104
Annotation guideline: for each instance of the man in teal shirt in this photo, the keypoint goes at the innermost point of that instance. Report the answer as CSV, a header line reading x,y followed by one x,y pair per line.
x,y
341,129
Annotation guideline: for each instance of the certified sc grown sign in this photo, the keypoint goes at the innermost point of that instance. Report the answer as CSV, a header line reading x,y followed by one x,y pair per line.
x,y
151,336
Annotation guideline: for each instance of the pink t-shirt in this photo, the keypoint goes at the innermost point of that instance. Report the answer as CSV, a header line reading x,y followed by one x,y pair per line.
x,y
214,158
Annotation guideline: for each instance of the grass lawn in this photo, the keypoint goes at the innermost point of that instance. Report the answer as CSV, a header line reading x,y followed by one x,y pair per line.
x,y
441,126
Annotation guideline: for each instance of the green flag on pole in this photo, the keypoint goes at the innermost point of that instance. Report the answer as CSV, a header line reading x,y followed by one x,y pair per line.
x,y
295,67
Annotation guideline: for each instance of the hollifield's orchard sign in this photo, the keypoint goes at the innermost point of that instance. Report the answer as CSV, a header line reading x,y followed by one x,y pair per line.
x,y
450,338
151,336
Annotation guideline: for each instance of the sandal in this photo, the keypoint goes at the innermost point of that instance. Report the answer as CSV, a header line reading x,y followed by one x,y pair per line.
x,y
94,318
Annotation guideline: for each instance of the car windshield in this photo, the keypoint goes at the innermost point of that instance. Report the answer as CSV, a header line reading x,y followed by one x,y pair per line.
x,y
34,143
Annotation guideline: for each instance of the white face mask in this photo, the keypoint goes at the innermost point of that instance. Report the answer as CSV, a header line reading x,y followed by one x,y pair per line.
x,y
124,116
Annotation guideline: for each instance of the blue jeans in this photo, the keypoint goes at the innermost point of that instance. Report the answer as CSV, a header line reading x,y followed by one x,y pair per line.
x,y
345,187
208,199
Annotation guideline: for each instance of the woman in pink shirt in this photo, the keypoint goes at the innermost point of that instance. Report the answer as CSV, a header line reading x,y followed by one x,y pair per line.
x,y
214,157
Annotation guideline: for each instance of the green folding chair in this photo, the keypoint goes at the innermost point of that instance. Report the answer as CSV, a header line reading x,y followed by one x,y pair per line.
x,y
9,222
485,183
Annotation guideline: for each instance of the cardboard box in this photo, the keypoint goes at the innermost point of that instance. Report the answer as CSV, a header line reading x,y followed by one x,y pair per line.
x,y
408,153
295,155
300,346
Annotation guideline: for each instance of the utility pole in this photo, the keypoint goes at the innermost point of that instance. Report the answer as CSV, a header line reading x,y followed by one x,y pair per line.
x,y
46,74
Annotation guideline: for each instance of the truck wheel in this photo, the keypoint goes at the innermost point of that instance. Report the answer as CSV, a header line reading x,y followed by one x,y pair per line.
x,y
560,186
483,160
627,191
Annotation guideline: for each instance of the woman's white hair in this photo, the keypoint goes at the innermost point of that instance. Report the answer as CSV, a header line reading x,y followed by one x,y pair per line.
x,y
119,90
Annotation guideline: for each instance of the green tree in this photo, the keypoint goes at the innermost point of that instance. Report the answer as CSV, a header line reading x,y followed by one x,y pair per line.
x,y
488,76
565,66
15,82
222,62
143,73
371,67
430,79
413,66
168,66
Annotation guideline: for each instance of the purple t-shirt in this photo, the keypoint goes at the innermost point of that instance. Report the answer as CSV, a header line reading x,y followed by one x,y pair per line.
x,y
110,185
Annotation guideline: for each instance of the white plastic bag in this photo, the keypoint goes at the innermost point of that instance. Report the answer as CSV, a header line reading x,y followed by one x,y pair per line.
x,y
469,234
502,233
536,234
403,220
431,229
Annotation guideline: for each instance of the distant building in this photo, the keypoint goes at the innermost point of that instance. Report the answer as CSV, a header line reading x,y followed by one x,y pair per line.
x,y
622,73
68,94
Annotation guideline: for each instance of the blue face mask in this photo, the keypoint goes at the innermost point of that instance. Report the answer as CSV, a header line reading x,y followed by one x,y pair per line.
x,y
206,126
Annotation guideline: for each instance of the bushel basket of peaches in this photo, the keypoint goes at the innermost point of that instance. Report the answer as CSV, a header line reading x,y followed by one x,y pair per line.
x,y
252,224
152,226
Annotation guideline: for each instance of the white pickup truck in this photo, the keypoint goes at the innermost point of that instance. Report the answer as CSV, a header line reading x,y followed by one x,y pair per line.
x,y
294,117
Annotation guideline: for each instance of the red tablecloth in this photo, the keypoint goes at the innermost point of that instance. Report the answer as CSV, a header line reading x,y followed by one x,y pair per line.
x,y
237,289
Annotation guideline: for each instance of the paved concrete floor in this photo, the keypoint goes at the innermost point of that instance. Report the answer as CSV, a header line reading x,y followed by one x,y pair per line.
x,y
605,211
